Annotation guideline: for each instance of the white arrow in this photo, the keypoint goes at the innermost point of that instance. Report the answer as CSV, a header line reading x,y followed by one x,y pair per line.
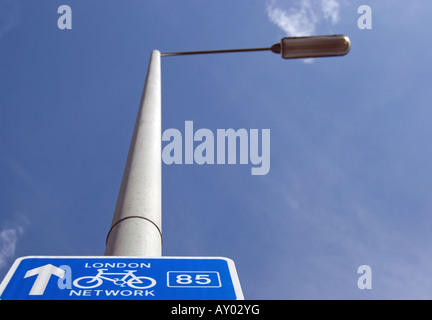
x,y
43,276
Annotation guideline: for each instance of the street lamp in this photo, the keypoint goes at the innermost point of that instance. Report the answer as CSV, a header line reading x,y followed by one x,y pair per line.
x,y
313,47
136,228
293,47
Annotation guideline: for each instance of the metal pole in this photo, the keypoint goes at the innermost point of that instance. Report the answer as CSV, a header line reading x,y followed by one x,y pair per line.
x,y
169,54
136,225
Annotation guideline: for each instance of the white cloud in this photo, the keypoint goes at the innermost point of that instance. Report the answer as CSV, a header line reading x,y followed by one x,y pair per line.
x,y
9,15
299,22
8,240
330,10
301,17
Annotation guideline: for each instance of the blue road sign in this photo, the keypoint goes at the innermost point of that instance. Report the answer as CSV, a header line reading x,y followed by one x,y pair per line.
x,y
121,278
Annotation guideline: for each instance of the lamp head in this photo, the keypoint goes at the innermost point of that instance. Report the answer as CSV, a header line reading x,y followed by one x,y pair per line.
x,y
313,47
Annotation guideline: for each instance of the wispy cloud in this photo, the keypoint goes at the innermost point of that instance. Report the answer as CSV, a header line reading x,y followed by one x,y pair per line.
x,y
9,15
8,239
301,17
330,9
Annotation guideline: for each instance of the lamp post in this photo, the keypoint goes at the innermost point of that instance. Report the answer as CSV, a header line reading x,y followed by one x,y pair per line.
x,y
136,228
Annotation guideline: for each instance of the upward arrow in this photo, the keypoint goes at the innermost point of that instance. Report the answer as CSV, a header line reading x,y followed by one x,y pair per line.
x,y
44,274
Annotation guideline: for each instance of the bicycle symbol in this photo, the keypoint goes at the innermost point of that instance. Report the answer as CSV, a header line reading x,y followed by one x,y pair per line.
x,y
141,282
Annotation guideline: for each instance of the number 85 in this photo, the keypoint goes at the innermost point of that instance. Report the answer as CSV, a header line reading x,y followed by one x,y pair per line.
x,y
202,279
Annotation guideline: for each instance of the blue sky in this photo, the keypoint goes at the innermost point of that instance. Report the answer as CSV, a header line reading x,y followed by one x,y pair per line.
x,y
350,177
